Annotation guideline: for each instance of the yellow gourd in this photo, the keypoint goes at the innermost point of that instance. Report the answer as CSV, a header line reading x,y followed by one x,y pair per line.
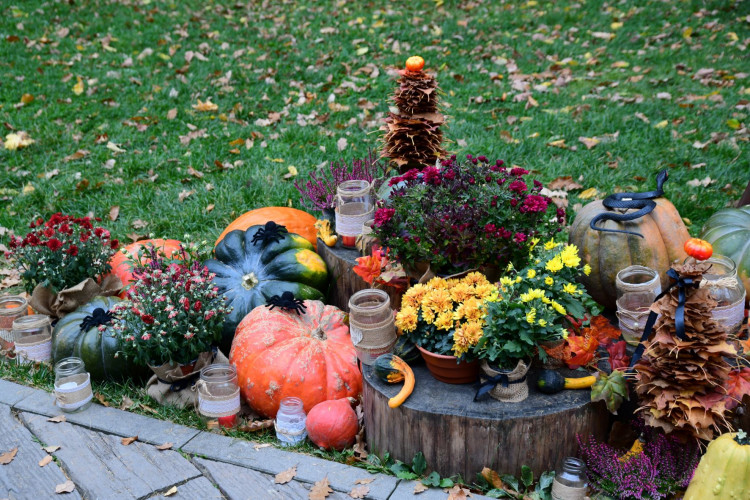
x,y
724,471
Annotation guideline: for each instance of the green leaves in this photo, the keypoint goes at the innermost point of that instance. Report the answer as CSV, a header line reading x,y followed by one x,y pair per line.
x,y
612,389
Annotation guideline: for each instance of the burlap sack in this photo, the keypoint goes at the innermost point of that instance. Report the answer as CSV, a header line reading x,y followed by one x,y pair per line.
x,y
513,388
169,386
56,305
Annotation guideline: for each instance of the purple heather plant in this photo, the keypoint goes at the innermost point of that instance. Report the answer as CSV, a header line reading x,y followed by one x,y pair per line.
x,y
664,467
319,192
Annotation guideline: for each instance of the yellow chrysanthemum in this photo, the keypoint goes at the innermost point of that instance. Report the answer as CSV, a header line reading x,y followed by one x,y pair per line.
x,y
570,288
473,331
415,294
461,291
549,281
549,245
587,269
469,310
485,290
534,243
557,307
534,293
531,273
569,256
518,279
437,283
465,337
406,319
444,320
475,279
554,264
428,315
564,333
542,322
531,316
505,281
546,300
438,300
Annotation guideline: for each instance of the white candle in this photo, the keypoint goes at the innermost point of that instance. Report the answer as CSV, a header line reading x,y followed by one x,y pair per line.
x,y
68,385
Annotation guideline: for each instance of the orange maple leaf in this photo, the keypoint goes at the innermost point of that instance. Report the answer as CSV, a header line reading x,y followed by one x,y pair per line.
x,y
369,267
604,331
737,385
582,349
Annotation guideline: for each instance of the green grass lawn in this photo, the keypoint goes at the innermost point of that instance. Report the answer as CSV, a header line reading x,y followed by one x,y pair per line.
x,y
292,79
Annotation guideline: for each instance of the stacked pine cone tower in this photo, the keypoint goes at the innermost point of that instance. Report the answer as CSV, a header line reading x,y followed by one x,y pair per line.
x,y
681,383
413,138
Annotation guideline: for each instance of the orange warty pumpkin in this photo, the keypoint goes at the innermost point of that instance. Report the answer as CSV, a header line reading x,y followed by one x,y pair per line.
x,y
121,266
280,354
332,424
664,235
296,221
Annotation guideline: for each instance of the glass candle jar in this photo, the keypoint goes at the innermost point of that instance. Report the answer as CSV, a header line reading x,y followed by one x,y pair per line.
x,y
12,307
371,323
354,206
219,394
570,483
32,336
637,288
726,289
72,385
290,422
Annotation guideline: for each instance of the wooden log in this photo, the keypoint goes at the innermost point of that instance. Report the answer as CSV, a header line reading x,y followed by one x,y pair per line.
x,y
460,436
344,282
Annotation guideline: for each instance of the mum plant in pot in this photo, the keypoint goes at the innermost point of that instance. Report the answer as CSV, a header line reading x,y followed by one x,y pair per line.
x,y
173,314
64,262
464,215
445,318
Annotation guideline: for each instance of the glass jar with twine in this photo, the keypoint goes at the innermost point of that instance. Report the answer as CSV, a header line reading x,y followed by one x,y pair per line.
x,y
72,385
354,206
12,307
726,289
371,324
33,338
637,288
290,422
219,394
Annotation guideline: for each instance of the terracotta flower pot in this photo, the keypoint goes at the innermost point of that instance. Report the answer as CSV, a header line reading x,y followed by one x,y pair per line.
x,y
447,369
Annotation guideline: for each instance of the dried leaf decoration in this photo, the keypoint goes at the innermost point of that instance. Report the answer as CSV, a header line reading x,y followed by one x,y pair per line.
x,y
681,383
320,490
612,389
412,137
738,386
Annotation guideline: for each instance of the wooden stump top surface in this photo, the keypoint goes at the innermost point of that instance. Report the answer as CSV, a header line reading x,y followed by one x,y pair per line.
x,y
433,396
348,255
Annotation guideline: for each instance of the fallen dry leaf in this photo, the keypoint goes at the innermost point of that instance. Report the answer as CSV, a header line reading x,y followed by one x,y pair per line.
x,y
256,425
364,481
129,441
115,148
205,106
359,492
81,153
565,182
284,477
184,194
78,87
66,487
493,478
171,491
589,142
58,419
419,488
45,460
210,207
172,114
341,144
126,403
165,446
320,490
560,143
51,449
8,456
114,213
458,493
261,446
589,193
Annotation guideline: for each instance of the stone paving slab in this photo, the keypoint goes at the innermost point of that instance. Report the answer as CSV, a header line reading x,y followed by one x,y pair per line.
x,y
272,461
11,393
112,421
23,479
102,467
239,483
195,489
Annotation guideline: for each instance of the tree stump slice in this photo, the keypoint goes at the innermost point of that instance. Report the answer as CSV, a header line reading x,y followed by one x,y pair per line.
x,y
344,282
460,436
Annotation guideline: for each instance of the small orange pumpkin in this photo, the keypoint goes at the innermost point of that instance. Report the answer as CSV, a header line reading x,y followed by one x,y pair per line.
x,y
296,221
279,354
332,424
414,63
120,261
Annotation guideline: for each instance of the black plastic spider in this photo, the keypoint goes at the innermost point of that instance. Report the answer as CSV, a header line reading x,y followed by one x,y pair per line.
x,y
287,302
271,232
98,317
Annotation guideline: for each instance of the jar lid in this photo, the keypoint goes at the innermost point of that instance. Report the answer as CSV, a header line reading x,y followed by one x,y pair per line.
x,y
10,304
33,322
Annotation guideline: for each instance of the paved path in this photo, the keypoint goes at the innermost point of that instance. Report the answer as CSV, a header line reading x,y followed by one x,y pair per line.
x,y
200,465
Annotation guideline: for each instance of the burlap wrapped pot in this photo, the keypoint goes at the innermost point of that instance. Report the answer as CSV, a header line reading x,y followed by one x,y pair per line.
x,y
515,389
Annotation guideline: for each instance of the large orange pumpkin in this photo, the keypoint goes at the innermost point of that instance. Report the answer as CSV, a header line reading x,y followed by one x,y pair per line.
x,y
664,235
281,354
332,424
121,265
295,221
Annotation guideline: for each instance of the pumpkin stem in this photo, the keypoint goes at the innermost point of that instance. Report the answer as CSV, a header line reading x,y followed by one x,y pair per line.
x,y
319,334
249,281
742,438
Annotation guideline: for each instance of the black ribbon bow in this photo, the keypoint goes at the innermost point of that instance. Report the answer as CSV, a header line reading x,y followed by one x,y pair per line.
x,y
679,317
98,317
487,385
